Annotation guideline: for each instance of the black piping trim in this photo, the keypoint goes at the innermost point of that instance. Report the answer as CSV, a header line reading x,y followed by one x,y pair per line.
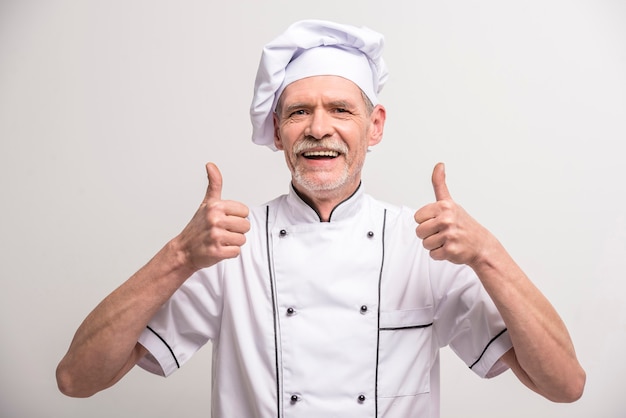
x,y
166,344
485,350
269,269
330,216
407,327
380,279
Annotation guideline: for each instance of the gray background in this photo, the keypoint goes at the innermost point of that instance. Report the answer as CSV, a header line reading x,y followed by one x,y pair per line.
x,y
109,110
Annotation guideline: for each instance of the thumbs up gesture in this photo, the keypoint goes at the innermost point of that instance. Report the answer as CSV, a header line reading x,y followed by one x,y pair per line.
x,y
217,229
447,231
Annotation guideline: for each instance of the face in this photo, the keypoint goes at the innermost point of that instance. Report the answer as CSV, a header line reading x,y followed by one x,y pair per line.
x,y
324,128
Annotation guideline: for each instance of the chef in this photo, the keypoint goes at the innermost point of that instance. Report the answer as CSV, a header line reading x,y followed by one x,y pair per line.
x,y
326,302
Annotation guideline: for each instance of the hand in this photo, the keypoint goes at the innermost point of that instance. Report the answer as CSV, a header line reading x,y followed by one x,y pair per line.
x,y
446,230
216,231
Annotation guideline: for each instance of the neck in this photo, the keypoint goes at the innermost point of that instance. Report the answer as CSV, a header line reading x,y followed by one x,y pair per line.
x,y
323,203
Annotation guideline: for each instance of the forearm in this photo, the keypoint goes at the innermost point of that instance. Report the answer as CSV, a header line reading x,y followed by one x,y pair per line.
x,y
104,346
543,347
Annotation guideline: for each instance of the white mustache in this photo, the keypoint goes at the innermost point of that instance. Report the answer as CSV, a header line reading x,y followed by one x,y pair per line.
x,y
327,144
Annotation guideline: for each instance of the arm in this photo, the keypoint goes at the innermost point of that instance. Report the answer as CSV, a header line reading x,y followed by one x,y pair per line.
x,y
105,345
543,355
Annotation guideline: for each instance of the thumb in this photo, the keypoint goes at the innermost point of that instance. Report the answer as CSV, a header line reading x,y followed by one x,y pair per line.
x,y
214,189
439,182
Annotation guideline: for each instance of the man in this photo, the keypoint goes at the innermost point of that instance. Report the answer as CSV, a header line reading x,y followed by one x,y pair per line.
x,y
326,302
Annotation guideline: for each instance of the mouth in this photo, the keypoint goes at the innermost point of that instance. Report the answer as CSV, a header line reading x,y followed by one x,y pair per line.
x,y
320,155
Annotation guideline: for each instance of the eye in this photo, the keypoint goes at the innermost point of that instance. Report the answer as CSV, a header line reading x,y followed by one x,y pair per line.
x,y
298,112
342,110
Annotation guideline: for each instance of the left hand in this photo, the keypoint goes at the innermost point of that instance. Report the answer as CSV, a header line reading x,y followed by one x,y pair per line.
x,y
446,230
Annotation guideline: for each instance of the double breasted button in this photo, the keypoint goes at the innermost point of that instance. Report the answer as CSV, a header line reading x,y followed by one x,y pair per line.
x,y
283,233
363,309
361,398
294,398
370,234
290,311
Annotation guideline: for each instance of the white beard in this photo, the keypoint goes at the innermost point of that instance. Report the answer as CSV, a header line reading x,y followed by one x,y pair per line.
x,y
309,181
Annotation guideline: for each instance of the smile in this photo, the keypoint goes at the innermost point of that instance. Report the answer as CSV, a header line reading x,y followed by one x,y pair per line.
x,y
320,154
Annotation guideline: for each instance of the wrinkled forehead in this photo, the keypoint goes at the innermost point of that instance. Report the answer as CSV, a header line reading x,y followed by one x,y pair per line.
x,y
324,89
346,63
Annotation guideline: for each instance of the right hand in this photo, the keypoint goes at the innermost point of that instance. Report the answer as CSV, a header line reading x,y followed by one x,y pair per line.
x,y
217,229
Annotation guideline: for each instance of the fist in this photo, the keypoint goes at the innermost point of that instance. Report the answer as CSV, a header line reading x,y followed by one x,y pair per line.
x,y
446,230
217,230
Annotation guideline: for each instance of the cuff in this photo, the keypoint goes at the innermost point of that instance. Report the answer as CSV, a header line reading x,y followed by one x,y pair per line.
x,y
489,365
161,359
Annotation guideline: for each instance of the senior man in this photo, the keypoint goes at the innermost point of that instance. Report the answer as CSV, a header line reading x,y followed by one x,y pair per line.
x,y
324,301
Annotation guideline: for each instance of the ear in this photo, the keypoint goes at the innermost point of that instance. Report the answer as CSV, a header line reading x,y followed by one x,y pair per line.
x,y
277,142
377,124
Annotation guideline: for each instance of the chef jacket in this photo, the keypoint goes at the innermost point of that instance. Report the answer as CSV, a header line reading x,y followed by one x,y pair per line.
x,y
328,319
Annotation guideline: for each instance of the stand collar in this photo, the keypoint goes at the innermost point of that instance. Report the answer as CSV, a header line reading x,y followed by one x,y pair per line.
x,y
302,212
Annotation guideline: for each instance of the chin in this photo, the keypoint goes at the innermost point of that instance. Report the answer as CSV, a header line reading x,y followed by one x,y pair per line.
x,y
323,185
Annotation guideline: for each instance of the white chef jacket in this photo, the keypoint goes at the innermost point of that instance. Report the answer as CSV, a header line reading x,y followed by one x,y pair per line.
x,y
328,319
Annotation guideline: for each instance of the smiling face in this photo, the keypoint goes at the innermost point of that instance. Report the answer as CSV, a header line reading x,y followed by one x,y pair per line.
x,y
324,127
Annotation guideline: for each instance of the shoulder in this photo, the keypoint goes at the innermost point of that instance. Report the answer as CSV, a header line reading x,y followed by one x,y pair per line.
x,y
259,212
397,216
263,215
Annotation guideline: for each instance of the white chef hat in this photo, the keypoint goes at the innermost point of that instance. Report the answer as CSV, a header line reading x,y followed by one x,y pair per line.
x,y
314,47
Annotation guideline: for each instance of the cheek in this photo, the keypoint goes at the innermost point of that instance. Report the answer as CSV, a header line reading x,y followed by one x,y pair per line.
x,y
284,135
357,159
287,149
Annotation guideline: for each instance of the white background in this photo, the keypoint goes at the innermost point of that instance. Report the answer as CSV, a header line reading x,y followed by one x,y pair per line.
x,y
109,110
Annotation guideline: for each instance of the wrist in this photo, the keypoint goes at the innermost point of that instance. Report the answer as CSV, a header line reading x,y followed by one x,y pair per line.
x,y
178,258
489,256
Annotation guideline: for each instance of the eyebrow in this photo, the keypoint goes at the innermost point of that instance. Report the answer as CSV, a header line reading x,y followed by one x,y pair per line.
x,y
304,105
342,103
294,106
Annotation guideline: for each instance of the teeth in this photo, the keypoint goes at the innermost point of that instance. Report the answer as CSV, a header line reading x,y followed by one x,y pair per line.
x,y
321,154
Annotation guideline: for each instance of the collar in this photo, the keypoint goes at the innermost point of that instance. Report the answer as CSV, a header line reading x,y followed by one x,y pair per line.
x,y
300,211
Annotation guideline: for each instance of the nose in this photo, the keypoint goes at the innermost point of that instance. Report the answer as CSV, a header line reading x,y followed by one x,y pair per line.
x,y
320,125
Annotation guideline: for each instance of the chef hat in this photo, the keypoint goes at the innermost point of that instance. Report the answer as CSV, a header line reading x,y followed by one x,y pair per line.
x,y
314,47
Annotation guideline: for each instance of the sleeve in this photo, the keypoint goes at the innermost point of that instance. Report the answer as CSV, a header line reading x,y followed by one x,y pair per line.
x,y
187,321
467,320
